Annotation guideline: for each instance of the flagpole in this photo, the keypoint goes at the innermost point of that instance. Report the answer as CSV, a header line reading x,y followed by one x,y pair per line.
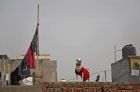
x,y
38,31
38,15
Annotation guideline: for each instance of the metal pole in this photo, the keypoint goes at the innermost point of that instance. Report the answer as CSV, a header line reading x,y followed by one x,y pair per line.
x,y
38,31
3,81
4,64
105,75
115,53
38,15
8,77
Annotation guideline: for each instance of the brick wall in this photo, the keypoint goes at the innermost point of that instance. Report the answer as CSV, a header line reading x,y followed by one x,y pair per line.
x,y
75,87
90,87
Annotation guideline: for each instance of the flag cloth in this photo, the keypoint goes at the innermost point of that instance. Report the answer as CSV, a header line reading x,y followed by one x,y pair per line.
x,y
33,50
30,58
15,77
28,62
35,42
21,72
23,68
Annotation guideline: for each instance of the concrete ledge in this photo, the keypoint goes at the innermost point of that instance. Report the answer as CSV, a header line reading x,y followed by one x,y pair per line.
x,y
20,89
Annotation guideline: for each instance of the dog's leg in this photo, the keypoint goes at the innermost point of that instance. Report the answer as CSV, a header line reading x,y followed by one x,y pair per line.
x,y
76,77
82,77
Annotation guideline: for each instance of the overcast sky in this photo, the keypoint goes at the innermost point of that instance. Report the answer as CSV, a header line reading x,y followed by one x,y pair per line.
x,y
88,29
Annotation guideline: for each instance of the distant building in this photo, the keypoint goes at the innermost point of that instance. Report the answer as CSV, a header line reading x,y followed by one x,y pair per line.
x,y
128,68
46,66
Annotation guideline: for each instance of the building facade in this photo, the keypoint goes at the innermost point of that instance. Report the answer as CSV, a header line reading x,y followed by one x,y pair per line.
x,y
45,65
128,68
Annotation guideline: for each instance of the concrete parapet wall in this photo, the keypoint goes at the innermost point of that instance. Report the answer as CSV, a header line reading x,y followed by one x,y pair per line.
x,y
20,89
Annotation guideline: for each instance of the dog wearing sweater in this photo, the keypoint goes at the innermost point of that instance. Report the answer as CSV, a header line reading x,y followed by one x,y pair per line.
x,y
81,70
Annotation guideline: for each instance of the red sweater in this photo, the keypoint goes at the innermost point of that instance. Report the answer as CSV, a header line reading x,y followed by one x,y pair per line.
x,y
85,73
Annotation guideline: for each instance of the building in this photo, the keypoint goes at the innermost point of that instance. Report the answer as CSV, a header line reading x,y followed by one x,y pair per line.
x,y
45,65
128,68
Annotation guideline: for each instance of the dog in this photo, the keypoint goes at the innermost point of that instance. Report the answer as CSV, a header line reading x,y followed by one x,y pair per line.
x,y
81,70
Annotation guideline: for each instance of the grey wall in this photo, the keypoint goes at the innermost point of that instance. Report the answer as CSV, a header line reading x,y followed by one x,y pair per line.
x,y
122,73
48,67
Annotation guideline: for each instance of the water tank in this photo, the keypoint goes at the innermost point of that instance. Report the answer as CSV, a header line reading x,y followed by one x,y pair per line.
x,y
4,56
128,50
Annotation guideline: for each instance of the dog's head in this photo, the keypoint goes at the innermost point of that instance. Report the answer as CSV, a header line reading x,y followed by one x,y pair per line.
x,y
78,65
79,62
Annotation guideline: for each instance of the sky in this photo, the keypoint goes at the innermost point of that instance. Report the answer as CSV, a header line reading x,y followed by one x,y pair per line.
x,y
68,29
